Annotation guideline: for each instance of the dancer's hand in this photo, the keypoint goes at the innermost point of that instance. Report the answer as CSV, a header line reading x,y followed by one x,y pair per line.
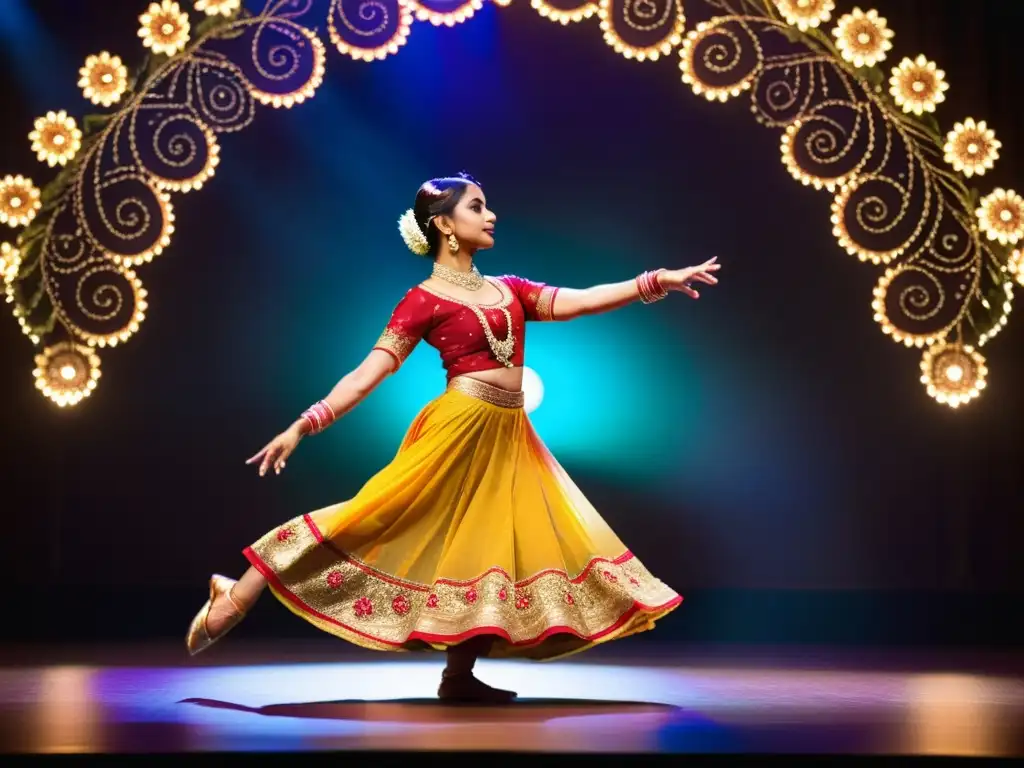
x,y
680,279
276,451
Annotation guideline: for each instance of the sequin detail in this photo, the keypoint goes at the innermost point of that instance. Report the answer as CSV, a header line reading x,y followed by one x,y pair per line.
x,y
400,345
546,303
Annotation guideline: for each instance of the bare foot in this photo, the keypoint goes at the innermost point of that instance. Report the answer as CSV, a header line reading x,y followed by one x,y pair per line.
x,y
465,688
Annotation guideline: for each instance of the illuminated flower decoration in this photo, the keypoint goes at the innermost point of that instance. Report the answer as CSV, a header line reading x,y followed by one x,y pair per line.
x,y
972,148
56,138
1001,216
918,86
805,14
953,374
863,39
165,29
1015,266
19,201
104,79
66,373
214,7
10,262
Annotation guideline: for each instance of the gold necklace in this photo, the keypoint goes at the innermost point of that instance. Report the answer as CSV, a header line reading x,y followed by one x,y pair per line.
x,y
503,348
471,281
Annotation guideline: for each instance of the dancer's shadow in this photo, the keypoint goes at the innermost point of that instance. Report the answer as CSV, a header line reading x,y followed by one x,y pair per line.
x,y
434,711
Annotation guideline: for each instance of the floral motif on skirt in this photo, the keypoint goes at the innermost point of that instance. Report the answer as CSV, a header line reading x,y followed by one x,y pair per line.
x,y
348,598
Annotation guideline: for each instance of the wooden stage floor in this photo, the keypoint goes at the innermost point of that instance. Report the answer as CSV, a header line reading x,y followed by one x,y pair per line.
x,y
289,697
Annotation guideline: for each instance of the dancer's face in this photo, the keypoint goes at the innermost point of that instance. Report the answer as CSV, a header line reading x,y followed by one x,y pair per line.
x,y
472,221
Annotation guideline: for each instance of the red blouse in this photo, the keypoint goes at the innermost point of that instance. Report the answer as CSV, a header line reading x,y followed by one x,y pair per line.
x,y
454,329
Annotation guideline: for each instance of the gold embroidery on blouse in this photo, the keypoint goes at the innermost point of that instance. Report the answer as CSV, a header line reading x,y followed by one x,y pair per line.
x,y
502,349
504,290
342,595
397,343
546,303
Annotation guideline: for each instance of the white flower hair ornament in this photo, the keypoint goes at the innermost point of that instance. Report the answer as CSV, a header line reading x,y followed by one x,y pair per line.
x,y
411,233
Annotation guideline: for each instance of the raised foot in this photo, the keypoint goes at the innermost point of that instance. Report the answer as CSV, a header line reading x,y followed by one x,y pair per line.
x,y
466,689
216,618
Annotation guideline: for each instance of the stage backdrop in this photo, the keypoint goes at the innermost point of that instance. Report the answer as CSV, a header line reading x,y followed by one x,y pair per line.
x,y
767,436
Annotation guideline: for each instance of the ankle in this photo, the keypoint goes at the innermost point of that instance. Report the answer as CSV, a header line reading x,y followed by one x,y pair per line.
x,y
237,604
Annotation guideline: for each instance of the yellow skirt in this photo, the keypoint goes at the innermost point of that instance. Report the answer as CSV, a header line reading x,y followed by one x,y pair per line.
x,y
473,529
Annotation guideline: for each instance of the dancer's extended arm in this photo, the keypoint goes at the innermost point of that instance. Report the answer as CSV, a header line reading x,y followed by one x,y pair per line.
x,y
350,390
571,303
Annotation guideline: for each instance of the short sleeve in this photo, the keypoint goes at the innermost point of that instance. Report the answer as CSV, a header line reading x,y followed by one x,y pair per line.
x,y
409,322
538,299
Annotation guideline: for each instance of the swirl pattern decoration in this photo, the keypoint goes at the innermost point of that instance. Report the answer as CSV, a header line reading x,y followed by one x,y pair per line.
x,y
895,201
948,256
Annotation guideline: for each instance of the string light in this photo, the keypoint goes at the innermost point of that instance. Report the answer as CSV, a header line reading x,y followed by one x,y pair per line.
x,y
653,52
448,18
19,201
888,328
166,217
1015,266
842,233
140,305
569,16
1004,317
387,48
10,264
200,177
215,7
688,64
806,14
307,89
863,39
794,168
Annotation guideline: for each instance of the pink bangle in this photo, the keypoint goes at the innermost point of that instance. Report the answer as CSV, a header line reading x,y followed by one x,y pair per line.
x,y
319,416
650,288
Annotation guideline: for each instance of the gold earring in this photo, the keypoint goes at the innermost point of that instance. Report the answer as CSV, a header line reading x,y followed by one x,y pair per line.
x,y
453,243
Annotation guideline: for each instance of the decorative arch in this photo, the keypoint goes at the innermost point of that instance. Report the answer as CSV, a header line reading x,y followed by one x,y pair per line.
x,y
865,136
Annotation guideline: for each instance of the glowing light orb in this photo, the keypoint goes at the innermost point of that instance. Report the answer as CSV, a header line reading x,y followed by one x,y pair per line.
x,y
533,390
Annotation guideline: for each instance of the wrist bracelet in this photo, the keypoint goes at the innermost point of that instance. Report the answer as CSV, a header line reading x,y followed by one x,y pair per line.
x,y
649,287
319,416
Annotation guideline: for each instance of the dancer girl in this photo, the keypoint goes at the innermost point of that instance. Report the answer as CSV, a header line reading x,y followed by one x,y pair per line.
x,y
473,540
